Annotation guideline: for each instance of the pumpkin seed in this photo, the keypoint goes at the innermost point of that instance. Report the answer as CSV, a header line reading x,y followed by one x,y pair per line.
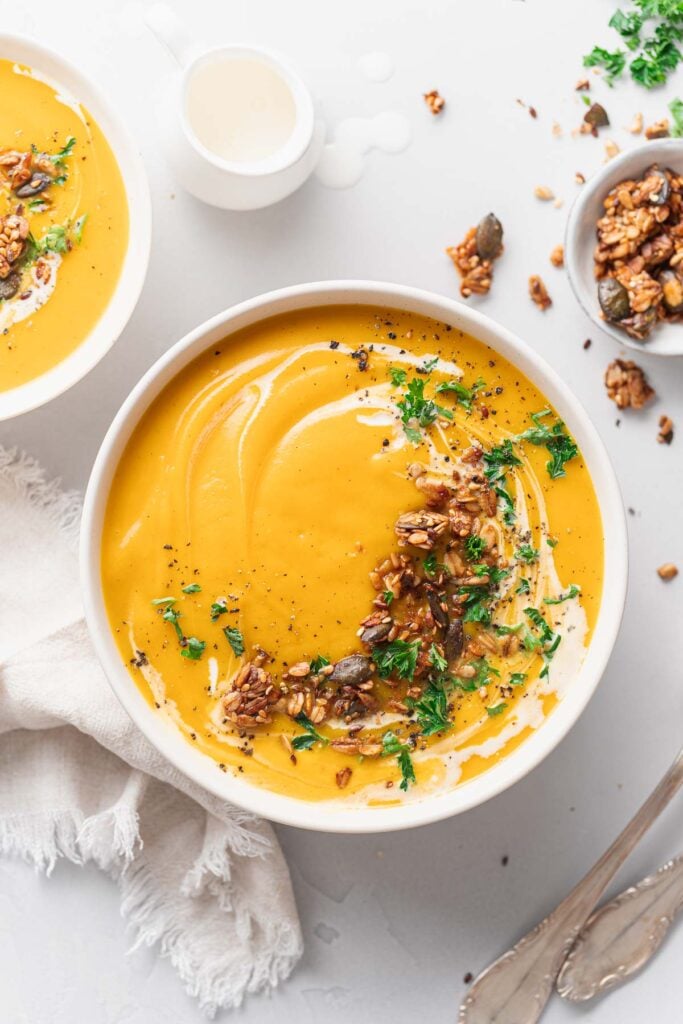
x,y
613,299
489,237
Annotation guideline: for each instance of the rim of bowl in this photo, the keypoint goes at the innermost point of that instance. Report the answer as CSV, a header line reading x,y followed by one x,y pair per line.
x,y
58,71
330,816
600,183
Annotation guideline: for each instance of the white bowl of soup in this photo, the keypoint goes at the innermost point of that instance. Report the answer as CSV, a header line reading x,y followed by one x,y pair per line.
x,y
75,225
354,557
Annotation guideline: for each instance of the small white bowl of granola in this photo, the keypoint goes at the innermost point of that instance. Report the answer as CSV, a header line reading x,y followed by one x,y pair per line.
x,y
624,248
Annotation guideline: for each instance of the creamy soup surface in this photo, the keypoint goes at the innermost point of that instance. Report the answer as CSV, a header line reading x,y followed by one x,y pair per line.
x,y
63,225
353,554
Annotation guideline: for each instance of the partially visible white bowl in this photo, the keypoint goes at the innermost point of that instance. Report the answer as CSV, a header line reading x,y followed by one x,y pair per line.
x,y
55,69
335,816
580,239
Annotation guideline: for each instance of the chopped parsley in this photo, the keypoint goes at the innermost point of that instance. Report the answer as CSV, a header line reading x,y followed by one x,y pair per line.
x,y
654,53
192,588
309,737
552,542
560,445
523,587
393,746
398,376
464,396
480,596
399,658
676,111
416,409
517,678
496,461
79,225
474,547
525,553
54,240
483,673
217,609
573,591
495,709
547,640
235,639
428,365
193,648
319,662
432,709
388,597
437,659
430,564
168,601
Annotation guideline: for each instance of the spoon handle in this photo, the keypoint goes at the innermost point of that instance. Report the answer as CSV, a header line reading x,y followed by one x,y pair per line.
x,y
620,937
517,986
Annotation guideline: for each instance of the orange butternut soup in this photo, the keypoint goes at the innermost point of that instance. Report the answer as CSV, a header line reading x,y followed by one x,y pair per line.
x,y
354,554
63,225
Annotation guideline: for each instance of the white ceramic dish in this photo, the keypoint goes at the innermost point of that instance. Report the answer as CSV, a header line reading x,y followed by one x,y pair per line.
x,y
59,73
666,339
336,817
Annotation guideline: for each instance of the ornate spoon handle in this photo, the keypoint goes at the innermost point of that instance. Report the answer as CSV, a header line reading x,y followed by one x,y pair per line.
x,y
620,937
517,986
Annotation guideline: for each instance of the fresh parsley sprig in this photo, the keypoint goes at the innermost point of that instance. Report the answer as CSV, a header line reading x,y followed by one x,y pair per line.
x,y
560,445
397,658
309,737
392,746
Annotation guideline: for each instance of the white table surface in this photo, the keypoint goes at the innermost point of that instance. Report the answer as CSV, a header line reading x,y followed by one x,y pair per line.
x,y
391,923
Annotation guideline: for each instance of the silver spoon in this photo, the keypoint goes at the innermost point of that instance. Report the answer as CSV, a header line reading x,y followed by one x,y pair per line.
x,y
517,986
620,937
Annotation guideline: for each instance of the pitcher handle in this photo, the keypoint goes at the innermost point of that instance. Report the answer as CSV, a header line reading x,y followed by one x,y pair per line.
x,y
172,32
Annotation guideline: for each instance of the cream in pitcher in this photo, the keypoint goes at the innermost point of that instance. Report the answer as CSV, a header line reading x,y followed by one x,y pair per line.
x,y
239,127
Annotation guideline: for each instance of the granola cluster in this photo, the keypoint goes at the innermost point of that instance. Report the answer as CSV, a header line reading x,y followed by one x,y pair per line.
x,y
27,173
639,255
473,258
627,385
14,231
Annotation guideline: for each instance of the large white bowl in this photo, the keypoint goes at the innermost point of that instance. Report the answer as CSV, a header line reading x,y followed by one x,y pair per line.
x,y
580,240
60,73
337,817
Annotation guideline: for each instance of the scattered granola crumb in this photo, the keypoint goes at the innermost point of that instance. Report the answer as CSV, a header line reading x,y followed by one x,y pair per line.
x,y
611,150
504,860
539,292
533,112
342,777
434,101
469,977
557,256
666,430
580,178
658,130
627,384
557,130
544,193
587,344
583,85
558,204
636,125
667,571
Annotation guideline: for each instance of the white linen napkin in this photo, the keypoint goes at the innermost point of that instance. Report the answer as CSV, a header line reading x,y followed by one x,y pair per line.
x,y
205,880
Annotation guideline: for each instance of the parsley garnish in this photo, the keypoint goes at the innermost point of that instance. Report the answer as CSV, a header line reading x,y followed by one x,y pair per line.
x,y
465,396
393,746
235,639
428,366
59,159
192,588
415,408
495,461
388,596
523,587
573,591
79,224
613,63
517,678
164,601
430,563
561,446
496,709
309,737
398,376
525,553
474,547
193,648
479,596
547,639
54,240
654,56
319,662
217,609
483,673
437,659
399,657
628,26
676,111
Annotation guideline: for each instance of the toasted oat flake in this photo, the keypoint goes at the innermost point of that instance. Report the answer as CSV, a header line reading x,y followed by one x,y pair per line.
x,y
636,125
627,384
557,256
434,101
611,150
539,292
582,85
666,430
658,130
557,130
544,193
667,571
580,178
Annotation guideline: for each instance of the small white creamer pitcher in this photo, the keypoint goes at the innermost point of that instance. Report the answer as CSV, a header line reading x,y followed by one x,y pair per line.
x,y
239,125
